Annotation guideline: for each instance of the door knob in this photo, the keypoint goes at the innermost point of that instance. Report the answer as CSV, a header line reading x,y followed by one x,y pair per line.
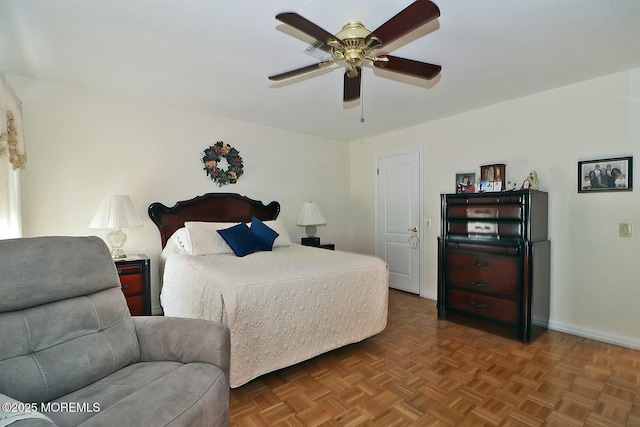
x,y
413,238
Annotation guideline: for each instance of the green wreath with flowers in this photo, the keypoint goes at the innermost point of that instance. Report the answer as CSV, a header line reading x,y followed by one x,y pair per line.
x,y
216,154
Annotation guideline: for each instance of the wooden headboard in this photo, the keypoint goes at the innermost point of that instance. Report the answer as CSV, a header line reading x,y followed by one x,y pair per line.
x,y
211,207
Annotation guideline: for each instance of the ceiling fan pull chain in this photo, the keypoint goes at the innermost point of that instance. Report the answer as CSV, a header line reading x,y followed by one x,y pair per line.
x,y
361,103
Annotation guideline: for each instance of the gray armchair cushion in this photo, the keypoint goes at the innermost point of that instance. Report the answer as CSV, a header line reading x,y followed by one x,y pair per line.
x,y
172,338
54,349
45,269
153,394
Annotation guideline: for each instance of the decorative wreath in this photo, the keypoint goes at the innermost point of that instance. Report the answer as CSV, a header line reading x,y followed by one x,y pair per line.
x,y
212,158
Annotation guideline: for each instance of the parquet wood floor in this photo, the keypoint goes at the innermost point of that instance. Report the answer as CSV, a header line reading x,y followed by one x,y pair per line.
x,y
421,371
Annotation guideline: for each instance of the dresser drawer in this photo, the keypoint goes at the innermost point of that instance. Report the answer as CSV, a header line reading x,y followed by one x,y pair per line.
x,y
482,272
136,305
486,211
489,229
131,284
485,199
130,269
483,305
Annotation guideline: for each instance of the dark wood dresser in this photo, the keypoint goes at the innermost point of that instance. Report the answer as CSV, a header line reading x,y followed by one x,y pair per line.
x,y
493,262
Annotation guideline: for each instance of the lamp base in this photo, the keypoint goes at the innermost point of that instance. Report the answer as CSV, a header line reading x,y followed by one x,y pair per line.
x,y
117,253
311,230
116,239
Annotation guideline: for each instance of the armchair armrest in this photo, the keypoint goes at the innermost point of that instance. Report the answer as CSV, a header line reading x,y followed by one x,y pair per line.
x,y
183,340
14,412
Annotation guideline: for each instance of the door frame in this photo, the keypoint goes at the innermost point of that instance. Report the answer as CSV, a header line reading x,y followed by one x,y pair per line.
x,y
406,150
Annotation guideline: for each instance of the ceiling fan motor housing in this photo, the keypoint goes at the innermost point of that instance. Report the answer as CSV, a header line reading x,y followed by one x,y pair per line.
x,y
353,35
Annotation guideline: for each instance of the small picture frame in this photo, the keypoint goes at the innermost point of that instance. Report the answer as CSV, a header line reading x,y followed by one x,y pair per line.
x,y
493,176
465,182
612,174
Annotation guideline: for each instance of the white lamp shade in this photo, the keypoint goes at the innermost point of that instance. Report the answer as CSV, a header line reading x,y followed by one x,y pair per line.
x,y
311,215
115,212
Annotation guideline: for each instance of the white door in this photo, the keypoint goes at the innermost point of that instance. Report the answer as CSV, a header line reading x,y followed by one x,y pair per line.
x,y
398,216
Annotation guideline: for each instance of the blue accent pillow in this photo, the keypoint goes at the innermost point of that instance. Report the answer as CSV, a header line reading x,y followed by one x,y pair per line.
x,y
265,235
241,239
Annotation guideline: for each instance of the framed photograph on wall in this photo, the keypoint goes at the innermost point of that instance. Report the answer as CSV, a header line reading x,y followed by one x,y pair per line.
x,y
465,182
493,177
614,174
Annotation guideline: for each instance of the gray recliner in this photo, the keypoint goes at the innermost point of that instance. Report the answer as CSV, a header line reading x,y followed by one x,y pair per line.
x,y
70,349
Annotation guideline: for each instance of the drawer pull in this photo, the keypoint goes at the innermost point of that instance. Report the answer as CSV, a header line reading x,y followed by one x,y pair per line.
x,y
480,284
480,263
481,212
481,228
125,286
479,305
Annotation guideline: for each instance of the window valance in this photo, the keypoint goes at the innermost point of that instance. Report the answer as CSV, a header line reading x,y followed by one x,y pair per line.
x,y
11,135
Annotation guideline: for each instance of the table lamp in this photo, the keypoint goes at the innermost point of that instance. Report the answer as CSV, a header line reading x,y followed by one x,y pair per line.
x,y
116,213
310,217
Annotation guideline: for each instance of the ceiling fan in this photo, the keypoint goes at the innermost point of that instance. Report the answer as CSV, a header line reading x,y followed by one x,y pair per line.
x,y
355,44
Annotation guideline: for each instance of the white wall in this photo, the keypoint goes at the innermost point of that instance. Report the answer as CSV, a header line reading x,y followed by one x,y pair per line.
x,y
594,272
82,145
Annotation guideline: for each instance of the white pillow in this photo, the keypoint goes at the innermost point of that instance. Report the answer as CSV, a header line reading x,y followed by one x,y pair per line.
x,y
182,240
205,239
283,238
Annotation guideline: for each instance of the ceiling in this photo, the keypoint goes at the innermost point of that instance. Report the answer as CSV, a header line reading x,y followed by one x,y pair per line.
x,y
215,57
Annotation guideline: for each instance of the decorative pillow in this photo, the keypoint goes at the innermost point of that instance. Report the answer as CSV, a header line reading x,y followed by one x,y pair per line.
x,y
204,237
283,235
241,239
263,233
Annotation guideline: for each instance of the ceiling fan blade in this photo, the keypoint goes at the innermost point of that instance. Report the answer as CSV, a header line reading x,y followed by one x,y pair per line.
x,y
301,70
413,16
303,24
410,67
352,86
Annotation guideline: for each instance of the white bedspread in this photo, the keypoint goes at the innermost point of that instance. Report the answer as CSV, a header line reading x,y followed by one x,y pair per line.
x,y
283,306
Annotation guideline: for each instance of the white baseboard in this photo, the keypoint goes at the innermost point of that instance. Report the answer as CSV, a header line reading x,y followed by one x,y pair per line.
x,y
430,296
596,335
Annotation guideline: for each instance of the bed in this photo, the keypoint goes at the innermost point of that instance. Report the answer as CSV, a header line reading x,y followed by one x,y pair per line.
x,y
282,306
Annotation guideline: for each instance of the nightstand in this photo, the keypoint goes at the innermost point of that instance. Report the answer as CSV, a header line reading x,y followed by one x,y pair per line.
x,y
310,241
135,281
315,243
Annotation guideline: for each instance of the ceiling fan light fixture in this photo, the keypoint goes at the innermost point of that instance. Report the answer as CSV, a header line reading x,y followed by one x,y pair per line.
x,y
353,30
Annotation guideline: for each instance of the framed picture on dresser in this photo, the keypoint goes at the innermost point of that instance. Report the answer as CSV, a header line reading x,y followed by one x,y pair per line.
x,y
465,182
612,174
492,177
